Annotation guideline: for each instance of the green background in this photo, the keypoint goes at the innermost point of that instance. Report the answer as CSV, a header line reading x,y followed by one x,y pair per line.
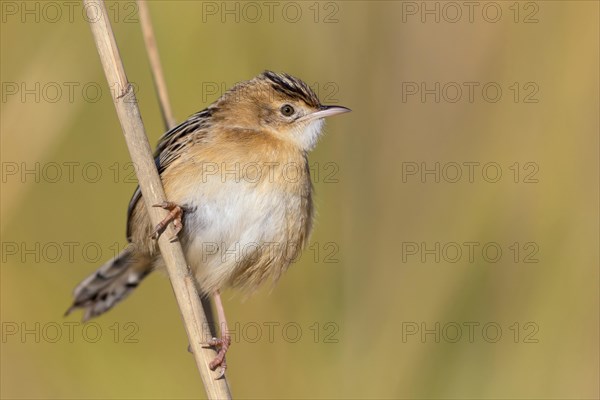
x,y
356,293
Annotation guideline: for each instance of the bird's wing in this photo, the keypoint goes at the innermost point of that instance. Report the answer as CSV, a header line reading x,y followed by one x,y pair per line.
x,y
169,148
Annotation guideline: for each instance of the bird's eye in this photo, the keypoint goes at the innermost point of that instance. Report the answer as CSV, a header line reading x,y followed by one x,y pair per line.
x,y
287,110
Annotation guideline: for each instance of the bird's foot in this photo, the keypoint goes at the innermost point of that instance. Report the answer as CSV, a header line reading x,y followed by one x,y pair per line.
x,y
175,215
222,345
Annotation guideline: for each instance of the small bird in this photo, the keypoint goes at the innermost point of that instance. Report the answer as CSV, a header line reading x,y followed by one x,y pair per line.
x,y
240,197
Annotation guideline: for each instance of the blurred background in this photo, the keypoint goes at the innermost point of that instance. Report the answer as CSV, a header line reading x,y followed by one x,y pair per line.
x,y
455,250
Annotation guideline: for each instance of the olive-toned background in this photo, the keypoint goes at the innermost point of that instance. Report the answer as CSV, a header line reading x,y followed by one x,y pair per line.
x,y
359,315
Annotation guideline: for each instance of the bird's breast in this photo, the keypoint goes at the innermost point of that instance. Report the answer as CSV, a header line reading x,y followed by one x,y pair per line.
x,y
248,215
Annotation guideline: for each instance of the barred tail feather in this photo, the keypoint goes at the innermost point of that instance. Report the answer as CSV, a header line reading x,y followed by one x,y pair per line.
x,y
110,284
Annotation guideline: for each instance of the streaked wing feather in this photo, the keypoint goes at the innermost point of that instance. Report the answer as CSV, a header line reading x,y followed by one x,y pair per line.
x,y
169,149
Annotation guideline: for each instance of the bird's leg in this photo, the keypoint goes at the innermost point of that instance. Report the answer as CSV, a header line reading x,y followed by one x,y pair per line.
x,y
175,215
224,342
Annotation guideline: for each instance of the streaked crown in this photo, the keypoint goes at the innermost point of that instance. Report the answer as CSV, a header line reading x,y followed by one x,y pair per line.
x,y
292,87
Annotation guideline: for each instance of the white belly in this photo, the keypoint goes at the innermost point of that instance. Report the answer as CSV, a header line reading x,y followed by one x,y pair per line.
x,y
231,223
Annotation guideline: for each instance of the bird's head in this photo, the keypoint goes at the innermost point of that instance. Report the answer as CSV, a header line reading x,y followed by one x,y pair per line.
x,y
280,104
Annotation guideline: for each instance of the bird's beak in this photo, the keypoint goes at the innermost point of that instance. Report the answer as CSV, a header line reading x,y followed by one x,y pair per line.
x,y
324,111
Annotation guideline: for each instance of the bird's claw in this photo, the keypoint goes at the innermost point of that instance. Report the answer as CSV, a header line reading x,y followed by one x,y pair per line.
x,y
175,215
219,361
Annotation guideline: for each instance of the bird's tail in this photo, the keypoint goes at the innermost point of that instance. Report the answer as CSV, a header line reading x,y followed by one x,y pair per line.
x,y
111,283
